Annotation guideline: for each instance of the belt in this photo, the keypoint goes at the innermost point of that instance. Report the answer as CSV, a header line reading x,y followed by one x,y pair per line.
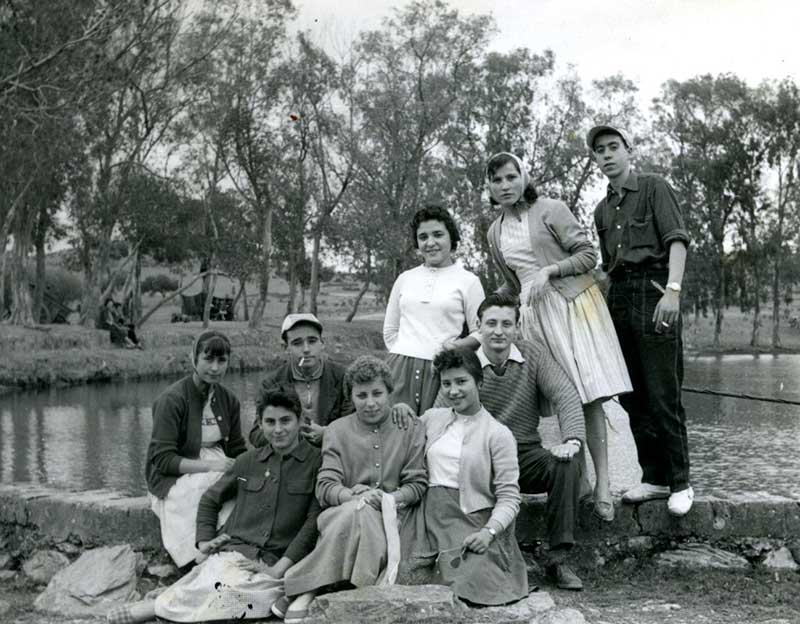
x,y
632,270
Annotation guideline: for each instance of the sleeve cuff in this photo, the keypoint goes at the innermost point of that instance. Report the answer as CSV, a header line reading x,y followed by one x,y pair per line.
x,y
676,235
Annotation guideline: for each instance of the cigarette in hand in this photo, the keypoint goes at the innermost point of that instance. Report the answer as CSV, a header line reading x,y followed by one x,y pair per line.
x,y
659,287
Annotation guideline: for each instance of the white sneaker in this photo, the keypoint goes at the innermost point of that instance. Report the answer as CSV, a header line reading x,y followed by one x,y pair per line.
x,y
680,503
645,492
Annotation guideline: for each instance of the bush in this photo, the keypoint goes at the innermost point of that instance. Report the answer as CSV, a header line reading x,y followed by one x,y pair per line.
x,y
160,283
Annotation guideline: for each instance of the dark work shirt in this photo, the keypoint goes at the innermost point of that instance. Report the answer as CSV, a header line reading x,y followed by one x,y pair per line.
x,y
637,227
276,509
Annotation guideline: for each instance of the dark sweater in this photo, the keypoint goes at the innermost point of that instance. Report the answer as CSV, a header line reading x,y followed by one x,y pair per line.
x,y
177,431
333,403
276,511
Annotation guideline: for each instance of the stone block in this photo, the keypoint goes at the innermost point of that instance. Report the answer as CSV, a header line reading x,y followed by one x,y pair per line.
x,y
98,581
561,616
6,561
396,604
43,566
781,559
702,556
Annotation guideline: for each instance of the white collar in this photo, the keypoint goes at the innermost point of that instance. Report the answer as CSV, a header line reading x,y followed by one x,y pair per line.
x,y
514,355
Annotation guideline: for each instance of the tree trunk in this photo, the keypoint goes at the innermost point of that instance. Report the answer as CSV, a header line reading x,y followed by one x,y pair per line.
x,y
136,307
152,310
40,311
312,302
776,302
292,284
363,290
209,297
21,303
244,300
266,258
754,336
302,306
719,298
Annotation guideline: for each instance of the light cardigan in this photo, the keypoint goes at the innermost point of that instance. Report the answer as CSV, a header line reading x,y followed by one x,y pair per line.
x,y
556,238
429,306
488,474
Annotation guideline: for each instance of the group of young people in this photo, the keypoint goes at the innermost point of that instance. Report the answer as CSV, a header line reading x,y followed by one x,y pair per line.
x,y
423,457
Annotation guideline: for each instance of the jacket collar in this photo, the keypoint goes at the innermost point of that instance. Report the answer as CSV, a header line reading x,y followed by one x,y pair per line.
x,y
300,452
514,355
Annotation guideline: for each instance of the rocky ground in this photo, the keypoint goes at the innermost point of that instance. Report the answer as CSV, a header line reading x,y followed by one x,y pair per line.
x,y
630,591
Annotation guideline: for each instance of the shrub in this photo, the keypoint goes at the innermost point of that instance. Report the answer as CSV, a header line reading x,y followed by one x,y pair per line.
x,y
160,283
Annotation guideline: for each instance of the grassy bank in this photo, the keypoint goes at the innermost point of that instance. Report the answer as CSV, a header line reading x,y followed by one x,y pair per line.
x,y
62,355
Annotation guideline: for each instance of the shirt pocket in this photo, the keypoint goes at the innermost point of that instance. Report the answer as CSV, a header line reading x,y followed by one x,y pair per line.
x,y
300,486
254,484
641,233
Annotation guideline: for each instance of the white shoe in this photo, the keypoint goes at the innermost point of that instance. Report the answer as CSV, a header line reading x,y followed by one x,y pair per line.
x,y
680,503
645,492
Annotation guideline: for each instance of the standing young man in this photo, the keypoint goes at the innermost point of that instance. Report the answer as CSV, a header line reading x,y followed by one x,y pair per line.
x,y
643,242
318,382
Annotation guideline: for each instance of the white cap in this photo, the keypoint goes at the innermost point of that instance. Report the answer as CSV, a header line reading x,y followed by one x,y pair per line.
x,y
293,319
597,130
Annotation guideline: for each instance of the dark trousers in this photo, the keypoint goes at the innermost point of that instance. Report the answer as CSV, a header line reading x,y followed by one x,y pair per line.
x,y
655,364
540,471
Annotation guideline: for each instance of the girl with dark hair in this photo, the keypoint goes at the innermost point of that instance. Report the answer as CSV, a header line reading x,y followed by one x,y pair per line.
x,y
473,493
547,259
428,309
196,435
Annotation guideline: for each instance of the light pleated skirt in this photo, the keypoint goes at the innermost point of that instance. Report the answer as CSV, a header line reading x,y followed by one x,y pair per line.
x,y
582,338
415,382
177,512
218,589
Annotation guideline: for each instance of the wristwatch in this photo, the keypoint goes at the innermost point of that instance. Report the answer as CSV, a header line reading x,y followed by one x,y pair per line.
x,y
492,532
674,286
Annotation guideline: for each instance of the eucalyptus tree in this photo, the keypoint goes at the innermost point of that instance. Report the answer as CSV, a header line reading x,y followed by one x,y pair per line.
x,y
702,121
412,74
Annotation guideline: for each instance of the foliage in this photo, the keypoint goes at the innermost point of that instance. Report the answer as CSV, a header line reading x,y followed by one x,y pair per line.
x,y
160,283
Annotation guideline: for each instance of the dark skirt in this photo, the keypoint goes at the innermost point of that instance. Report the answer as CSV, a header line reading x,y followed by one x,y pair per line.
x,y
415,382
496,577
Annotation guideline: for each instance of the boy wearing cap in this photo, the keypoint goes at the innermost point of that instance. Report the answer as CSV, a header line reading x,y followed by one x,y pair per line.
x,y
318,382
643,242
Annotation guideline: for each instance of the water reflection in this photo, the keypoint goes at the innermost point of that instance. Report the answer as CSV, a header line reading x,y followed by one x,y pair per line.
x,y
96,436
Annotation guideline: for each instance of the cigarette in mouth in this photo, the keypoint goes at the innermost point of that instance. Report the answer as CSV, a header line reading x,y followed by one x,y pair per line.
x,y
302,359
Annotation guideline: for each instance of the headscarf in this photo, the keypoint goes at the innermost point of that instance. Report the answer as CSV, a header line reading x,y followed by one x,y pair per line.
x,y
523,171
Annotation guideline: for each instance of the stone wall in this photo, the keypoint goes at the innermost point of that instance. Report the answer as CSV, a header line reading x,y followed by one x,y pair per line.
x,y
32,517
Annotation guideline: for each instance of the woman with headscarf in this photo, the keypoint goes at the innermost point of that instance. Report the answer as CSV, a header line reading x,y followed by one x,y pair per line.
x,y
196,436
546,259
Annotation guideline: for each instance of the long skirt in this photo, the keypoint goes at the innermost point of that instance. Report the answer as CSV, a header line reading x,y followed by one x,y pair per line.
x,y
177,512
356,544
582,338
415,382
218,589
496,577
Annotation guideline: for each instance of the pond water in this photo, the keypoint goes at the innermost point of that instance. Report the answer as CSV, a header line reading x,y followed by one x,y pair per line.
x,y
96,436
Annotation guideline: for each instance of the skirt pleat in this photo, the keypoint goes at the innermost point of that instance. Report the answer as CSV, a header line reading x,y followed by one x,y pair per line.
x,y
581,336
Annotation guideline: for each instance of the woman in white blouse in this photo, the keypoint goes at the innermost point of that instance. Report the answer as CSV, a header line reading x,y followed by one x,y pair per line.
x,y
428,309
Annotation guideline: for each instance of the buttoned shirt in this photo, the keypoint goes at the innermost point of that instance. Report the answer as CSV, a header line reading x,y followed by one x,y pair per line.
x,y
276,510
637,226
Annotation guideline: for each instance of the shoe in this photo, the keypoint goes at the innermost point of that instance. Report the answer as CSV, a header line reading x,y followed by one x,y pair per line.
x,y
604,510
680,503
645,492
295,615
280,607
563,576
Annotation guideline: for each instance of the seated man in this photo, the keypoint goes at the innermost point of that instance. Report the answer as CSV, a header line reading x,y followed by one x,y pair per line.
x,y
272,526
318,382
516,376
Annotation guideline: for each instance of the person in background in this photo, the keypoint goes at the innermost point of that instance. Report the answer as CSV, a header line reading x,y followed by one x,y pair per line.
x,y
473,496
643,242
196,436
428,309
547,259
107,319
273,525
123,321
318,381
371,481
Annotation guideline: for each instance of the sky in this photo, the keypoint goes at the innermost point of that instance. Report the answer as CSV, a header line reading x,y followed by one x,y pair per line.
x,y
648,41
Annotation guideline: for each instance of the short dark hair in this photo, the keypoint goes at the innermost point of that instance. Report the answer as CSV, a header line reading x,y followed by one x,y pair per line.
x,y
213,343
459,358
499,300
497,161
435,212
367,369
277,396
